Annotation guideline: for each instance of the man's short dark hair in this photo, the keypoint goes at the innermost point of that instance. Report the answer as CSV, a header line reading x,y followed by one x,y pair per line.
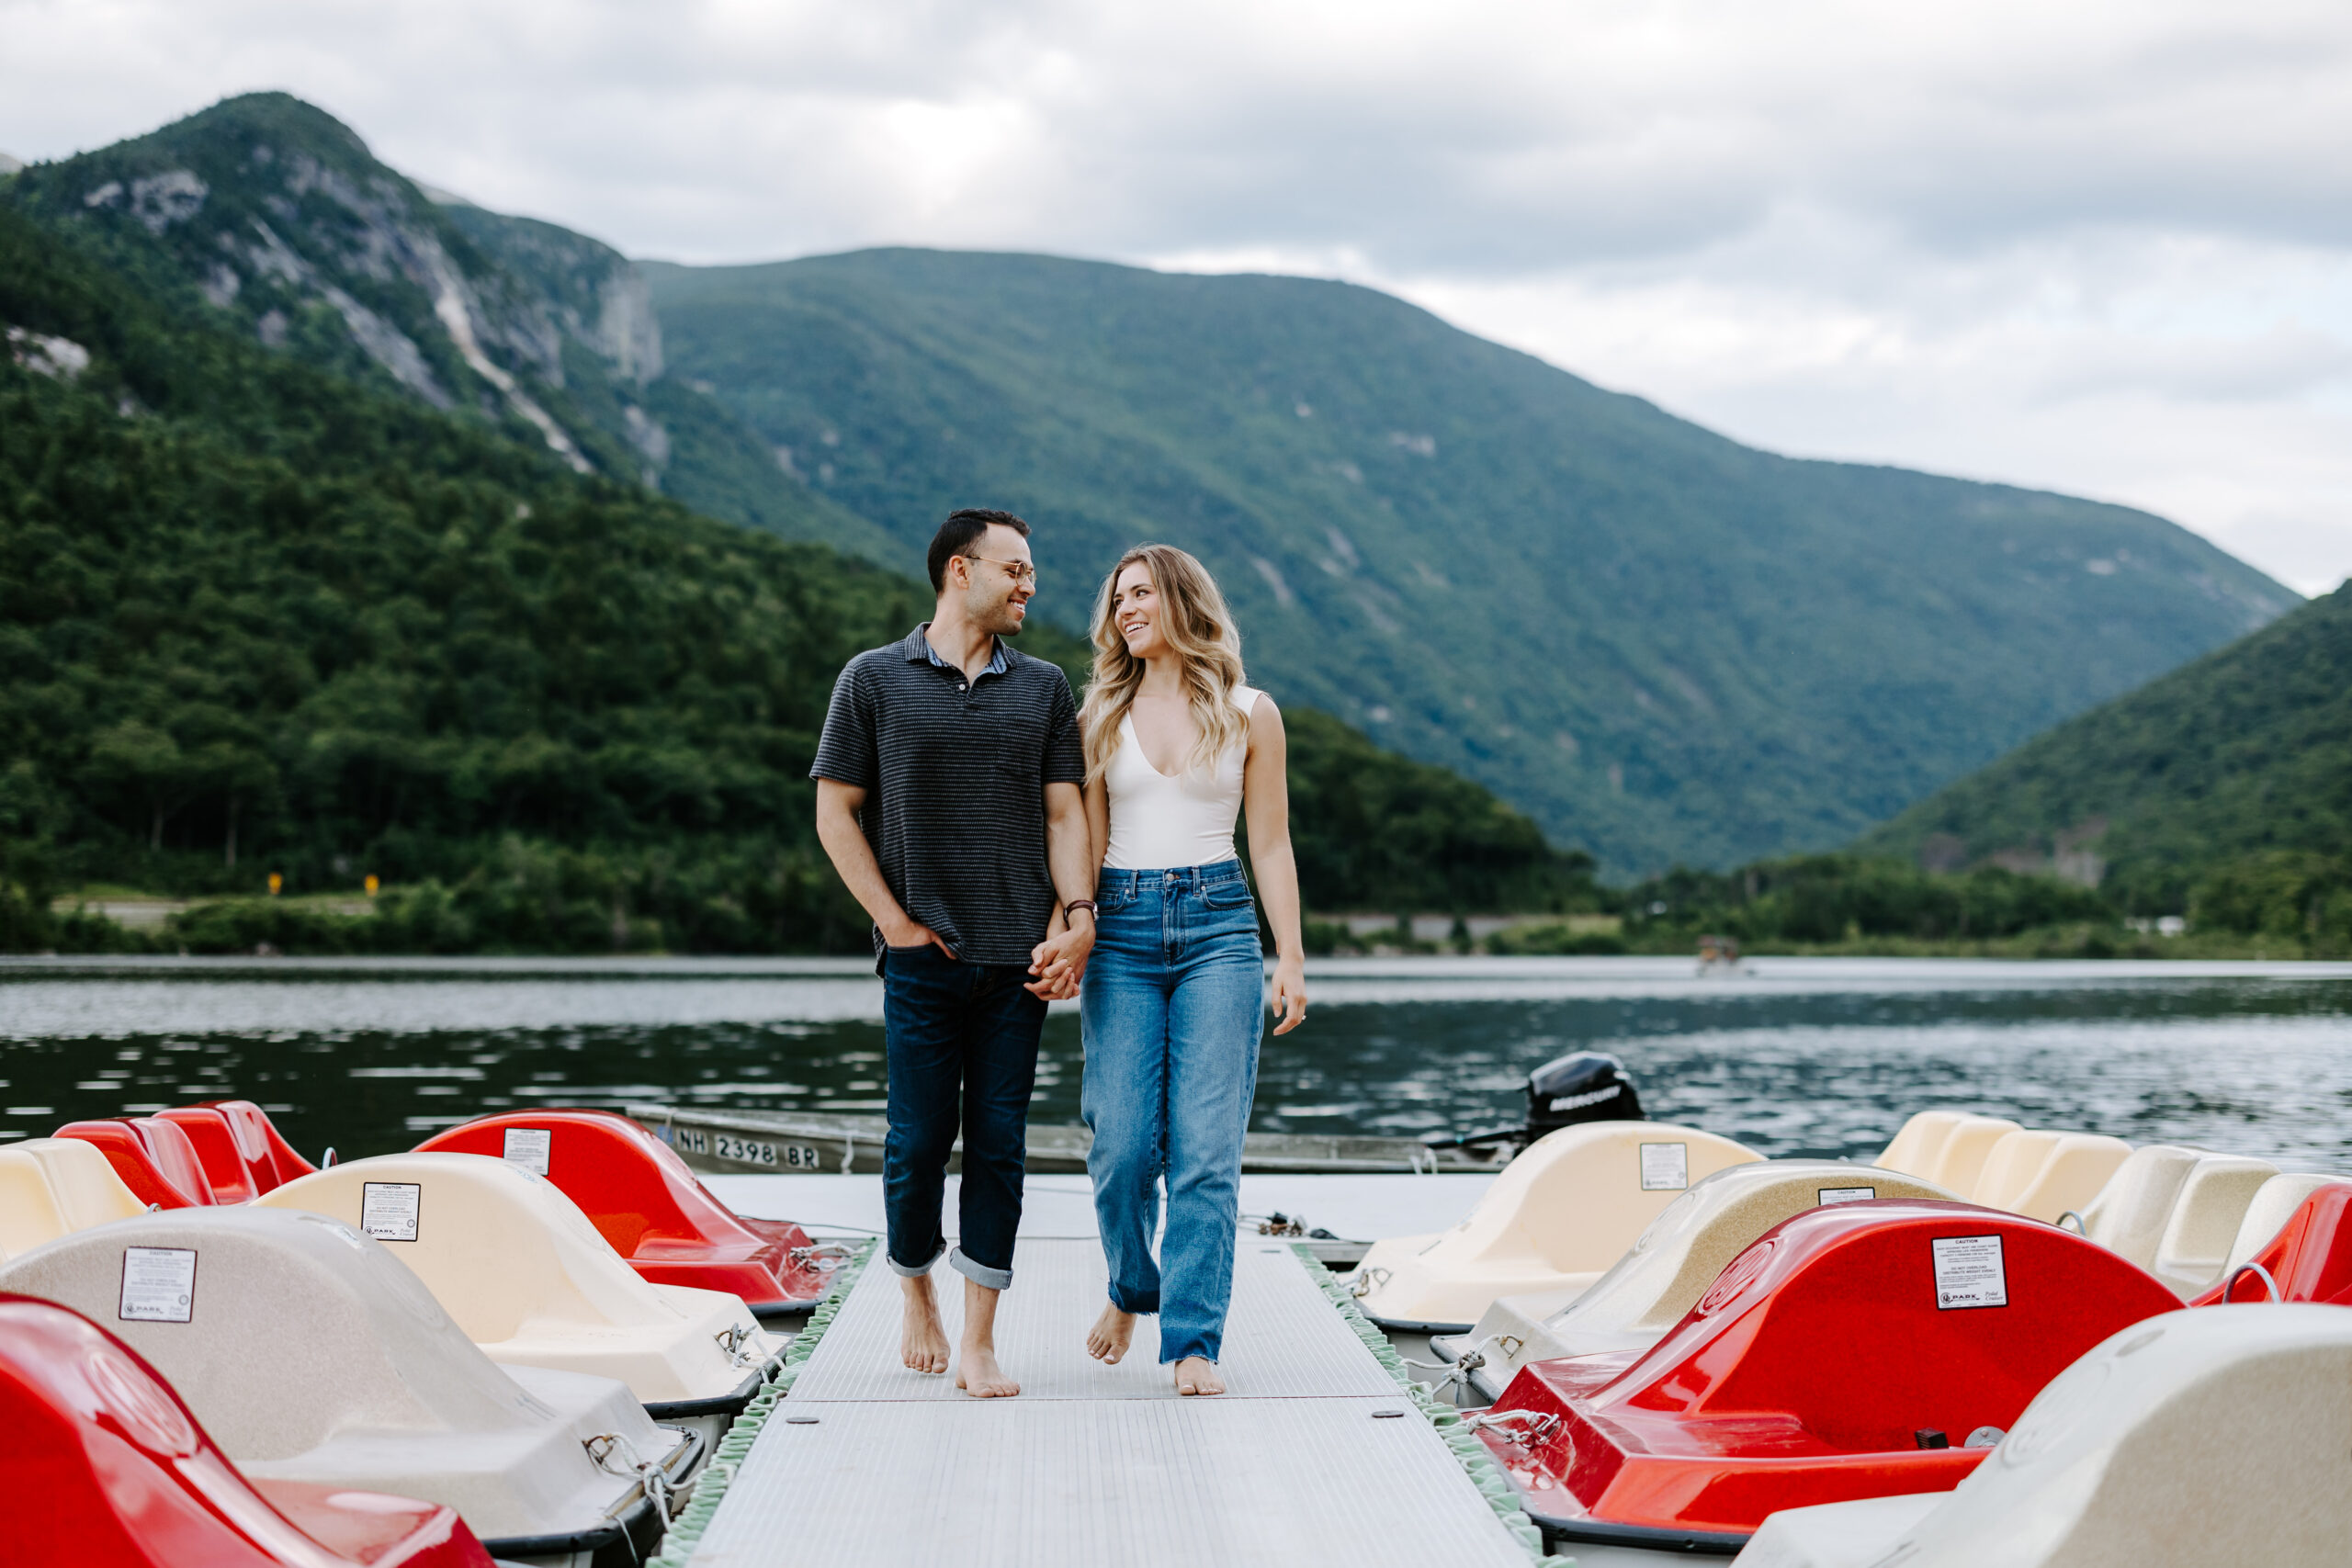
x,y
960,531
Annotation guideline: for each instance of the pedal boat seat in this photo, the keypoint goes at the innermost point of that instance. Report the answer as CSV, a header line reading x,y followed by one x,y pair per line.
x,y
1555,1219
1671,1265
2204,1223
2297,1235
2044,1174
645,1201
1915,1144
235,1157
154,1157
112,1472
527,1277
2217,1436
1809,1373
54,1187
310,1355
2131,1212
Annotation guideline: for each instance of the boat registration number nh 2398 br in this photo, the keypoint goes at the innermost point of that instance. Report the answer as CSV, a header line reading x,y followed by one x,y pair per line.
x,y
760,1152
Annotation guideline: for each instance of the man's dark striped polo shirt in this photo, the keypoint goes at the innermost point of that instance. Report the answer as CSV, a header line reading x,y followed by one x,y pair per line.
x,y
954,774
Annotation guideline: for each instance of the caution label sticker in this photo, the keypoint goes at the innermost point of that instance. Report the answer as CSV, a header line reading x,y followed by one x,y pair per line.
x,y
158,1284
1969,1272
528,1147
1829,1195
1665,1167
387,1209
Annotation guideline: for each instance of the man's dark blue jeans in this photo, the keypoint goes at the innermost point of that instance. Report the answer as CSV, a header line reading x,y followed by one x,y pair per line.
x,y
962,1052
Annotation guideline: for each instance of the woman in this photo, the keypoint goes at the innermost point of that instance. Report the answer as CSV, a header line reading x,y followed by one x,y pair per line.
x,y
1173,997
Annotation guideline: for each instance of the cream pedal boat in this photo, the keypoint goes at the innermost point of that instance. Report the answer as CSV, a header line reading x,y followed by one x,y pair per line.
x,y
309,1354
527,1277
54,1187
1553,1222
2218,1436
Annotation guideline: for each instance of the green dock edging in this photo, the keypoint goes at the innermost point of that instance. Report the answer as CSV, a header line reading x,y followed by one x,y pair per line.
x,y
710,1487
1475,1462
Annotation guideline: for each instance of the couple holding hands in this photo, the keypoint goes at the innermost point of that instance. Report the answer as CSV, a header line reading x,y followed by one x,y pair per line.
x,y
1015,846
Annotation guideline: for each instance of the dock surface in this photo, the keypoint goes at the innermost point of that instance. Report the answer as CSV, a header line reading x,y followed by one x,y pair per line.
x,y
869,1463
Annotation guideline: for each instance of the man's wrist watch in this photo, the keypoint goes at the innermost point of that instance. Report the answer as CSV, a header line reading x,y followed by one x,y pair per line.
x,y
1075,905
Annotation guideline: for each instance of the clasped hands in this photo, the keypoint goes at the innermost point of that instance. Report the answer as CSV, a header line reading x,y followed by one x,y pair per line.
x,y
1059,961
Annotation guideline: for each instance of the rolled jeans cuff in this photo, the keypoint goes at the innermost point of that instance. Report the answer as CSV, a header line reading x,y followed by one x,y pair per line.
x,y
903,1272
978,1273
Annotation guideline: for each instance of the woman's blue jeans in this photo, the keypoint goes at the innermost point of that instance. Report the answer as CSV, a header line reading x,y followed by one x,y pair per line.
x,y
1174,1004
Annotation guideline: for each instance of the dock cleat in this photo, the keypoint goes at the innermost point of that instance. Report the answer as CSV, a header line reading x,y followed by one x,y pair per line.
x,y
1555,1219
2217,1436
113,1472
2294,1244
645,1201
1669,1267
314,1356
54,1187
528,1279
1855,1350
154,1158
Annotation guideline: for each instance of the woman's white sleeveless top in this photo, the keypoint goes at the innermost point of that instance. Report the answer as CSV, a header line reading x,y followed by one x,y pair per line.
x,y
1158,822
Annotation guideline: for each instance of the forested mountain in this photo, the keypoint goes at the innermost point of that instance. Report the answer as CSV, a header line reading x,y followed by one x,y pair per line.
x,y
2223,789
1665,646
258,617
279,220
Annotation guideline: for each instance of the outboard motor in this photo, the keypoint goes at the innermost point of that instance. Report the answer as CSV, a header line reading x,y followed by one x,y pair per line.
x,y
1583,1085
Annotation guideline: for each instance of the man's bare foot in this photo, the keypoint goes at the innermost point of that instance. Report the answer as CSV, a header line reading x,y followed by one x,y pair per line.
x,y
978,1375
1197,1374
923,1342
1109,1339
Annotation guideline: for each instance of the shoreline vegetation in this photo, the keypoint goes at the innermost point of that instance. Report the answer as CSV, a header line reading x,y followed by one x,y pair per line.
x,y
1822,905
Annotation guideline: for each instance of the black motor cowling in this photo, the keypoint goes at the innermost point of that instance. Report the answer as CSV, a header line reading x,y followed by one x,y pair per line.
x,y
1584,1086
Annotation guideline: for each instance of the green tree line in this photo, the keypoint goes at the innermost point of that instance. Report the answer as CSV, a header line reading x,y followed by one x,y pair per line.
x,y
256,619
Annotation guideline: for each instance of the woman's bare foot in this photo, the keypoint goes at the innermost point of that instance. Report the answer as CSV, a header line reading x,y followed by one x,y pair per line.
x,y
1197,1374
923,1342
978,1375
1111,1333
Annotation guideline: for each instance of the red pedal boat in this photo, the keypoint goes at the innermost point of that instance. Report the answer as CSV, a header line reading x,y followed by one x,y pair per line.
x,y
112,1472
155,1158
1859,1350
644,1200
242,1155
2309,1260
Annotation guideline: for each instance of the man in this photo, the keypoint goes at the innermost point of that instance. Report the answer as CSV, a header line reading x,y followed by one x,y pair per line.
x,y
949,797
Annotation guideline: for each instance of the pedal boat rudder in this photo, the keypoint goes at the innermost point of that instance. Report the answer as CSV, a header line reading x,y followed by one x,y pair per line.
x,y
1828,1361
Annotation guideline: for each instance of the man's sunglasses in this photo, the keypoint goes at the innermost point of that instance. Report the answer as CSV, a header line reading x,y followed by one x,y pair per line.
x,y
1021,571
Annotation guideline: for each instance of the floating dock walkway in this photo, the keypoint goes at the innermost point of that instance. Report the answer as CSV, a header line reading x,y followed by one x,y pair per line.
x,y
1315,1455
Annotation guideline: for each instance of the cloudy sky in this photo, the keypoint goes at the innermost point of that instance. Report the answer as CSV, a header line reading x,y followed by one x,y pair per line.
x,y
2102,247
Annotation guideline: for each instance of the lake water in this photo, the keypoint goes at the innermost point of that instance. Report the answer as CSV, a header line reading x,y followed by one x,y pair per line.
x,y
1790,1056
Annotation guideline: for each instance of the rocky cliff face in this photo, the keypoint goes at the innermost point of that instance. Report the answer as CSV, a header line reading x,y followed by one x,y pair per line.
x,y
273,212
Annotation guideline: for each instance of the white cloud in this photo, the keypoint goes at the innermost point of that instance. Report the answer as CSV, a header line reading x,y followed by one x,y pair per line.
x,y
2104,247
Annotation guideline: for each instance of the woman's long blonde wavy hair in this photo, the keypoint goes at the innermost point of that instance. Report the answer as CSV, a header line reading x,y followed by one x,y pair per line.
x,y
1197,626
